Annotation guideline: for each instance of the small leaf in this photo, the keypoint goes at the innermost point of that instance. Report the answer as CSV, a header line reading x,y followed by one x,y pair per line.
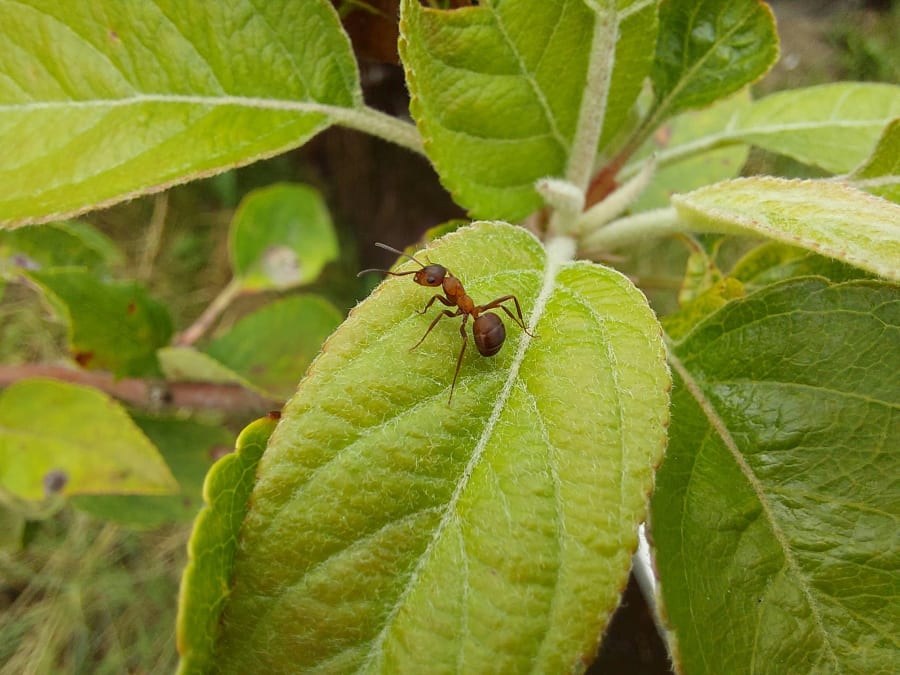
x,y
186,364
880,173
497,90
188,448
113,325
710,49
58,437
825,217
105,100
281,236
273,346
66,243
701,273
207,576
386,529
775,512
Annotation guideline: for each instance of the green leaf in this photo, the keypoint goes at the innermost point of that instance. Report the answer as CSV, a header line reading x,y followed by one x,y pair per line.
x,y
273,346
113,325
188,448
207,577
688,170
58,437
389,531
775,511
825,217
281,236
833,126
709,49
186,364
774,261
506,93
880,172
66,243
105,100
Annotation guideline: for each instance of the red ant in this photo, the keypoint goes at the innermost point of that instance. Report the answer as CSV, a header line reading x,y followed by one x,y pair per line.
x,y
487,328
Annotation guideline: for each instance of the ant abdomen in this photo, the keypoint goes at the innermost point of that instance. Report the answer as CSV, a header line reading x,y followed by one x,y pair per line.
x,y
489,333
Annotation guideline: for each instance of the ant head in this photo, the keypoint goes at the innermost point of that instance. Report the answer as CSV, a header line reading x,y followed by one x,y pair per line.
x,y
430,275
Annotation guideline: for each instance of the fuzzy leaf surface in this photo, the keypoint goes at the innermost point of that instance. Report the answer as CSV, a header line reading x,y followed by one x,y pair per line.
x,y
710,49
105,100
775,511
207,576
497,89
389,531
828,218
59,437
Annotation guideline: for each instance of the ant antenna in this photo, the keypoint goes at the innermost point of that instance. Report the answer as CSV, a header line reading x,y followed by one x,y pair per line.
x,y
400,253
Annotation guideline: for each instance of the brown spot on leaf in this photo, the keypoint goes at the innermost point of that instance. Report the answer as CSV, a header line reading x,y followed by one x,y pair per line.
x,y
54,481
83,358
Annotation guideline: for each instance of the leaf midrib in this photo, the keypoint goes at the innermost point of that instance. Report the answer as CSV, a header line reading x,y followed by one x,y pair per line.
x,y
558,252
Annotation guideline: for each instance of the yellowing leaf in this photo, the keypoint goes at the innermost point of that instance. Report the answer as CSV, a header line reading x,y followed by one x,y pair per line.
x,y
58,437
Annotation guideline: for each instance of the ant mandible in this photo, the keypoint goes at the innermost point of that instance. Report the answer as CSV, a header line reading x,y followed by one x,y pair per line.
x,y
487,328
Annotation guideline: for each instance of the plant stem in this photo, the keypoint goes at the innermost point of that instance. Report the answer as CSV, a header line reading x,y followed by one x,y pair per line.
x,y
151,395
377,123
154,235
203,323
633,228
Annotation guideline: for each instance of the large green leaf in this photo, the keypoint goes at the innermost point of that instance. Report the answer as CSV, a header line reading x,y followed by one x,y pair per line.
x,y
113,325
59,437
775,512
826,217
708,49
103,100
281,236
207,577
390,531
506,93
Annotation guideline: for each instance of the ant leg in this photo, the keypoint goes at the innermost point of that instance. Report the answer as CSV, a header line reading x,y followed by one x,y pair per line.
x,y
446,312
465,339
444,300
498,303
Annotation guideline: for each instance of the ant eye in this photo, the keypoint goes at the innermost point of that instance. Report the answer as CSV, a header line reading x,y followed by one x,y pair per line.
x,y
431,279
